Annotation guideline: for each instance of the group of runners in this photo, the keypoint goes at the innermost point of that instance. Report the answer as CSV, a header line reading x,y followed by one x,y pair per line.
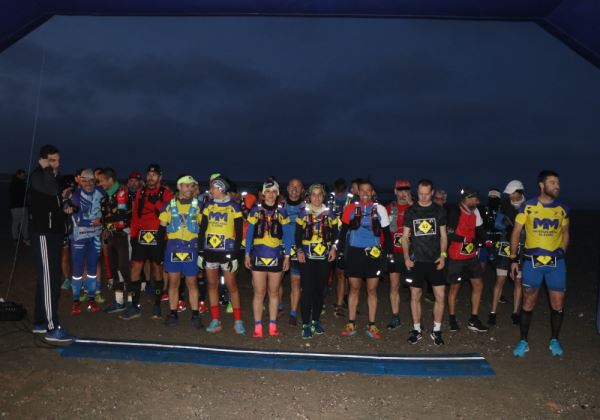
x,y
143,232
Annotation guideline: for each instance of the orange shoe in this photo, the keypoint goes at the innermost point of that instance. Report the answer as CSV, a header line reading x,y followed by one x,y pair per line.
x,y
349,330
373,332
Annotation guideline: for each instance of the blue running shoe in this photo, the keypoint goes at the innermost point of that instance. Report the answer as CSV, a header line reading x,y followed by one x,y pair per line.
x,y
555,348
171,320
307,331
394,323
214,327
66,285
238,326
131,312
59,335
115,307
317,328
39,328
521,348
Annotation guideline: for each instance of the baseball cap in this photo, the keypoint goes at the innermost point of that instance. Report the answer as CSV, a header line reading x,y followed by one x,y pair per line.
x,y
513,186
186,179
220,183
154,167
402,184
494,192
468,193
134,175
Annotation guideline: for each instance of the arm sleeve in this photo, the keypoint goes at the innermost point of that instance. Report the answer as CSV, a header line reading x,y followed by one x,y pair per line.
x,y
249,238
45,182
387,240
202,232
452,222
238,223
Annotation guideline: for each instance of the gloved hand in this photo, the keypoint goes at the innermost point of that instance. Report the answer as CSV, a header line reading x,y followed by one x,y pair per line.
x,y
232,264
201,261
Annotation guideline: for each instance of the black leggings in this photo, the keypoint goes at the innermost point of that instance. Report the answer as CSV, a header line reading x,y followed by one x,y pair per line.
x,y
313,276
118,256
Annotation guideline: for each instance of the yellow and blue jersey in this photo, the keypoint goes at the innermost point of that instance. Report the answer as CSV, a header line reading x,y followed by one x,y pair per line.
x,y
316,234
261,241
183,233
220,233
543,224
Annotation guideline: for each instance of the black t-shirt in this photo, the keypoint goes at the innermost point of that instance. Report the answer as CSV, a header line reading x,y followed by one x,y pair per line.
x,y
425,223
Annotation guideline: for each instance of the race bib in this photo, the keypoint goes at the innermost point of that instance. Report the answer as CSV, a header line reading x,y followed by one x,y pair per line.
x,y
467,248
504,249
147,237
181,256
543,261
374,252
424,227
317,250
398,239
265,262
215,241
293,253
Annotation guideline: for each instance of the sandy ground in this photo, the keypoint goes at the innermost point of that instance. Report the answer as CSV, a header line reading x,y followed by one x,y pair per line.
x,y
35,382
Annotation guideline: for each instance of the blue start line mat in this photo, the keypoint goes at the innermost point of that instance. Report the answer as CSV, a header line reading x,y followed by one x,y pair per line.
x,y
428,365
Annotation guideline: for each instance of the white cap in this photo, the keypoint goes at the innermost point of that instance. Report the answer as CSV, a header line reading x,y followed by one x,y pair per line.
x,y
513,186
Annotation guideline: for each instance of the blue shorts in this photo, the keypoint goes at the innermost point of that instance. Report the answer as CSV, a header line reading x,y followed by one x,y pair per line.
x,y
294,268
487,254
556,277
181,257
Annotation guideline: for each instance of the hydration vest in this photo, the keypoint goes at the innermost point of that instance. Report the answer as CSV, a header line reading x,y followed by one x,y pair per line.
x,y
356,221
190,219
324,227
265,224
154,198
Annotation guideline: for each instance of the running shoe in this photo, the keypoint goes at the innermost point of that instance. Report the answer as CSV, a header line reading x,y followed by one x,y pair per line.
x,y
39,328
156,311
258,331
66,284
293,321
307,331
373,332
492,319
521,348
131,312
454,325
273,331
181,307
93,307
164,297
339,311
317,328
502,299
59,335
516,319
394,323
238,327
99,298
349,330
556,348
76,308
414,337
477,326
436,336
202,307
214,327
171,320
114,308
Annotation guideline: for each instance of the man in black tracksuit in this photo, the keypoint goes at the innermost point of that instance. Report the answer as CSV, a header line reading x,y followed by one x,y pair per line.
x,y
47,224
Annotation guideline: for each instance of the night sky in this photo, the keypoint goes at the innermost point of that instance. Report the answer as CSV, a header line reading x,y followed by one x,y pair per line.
x,y
464,103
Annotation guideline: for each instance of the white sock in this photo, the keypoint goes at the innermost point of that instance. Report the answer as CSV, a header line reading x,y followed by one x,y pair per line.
x,y
119,297
437,326
417,327
129,299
